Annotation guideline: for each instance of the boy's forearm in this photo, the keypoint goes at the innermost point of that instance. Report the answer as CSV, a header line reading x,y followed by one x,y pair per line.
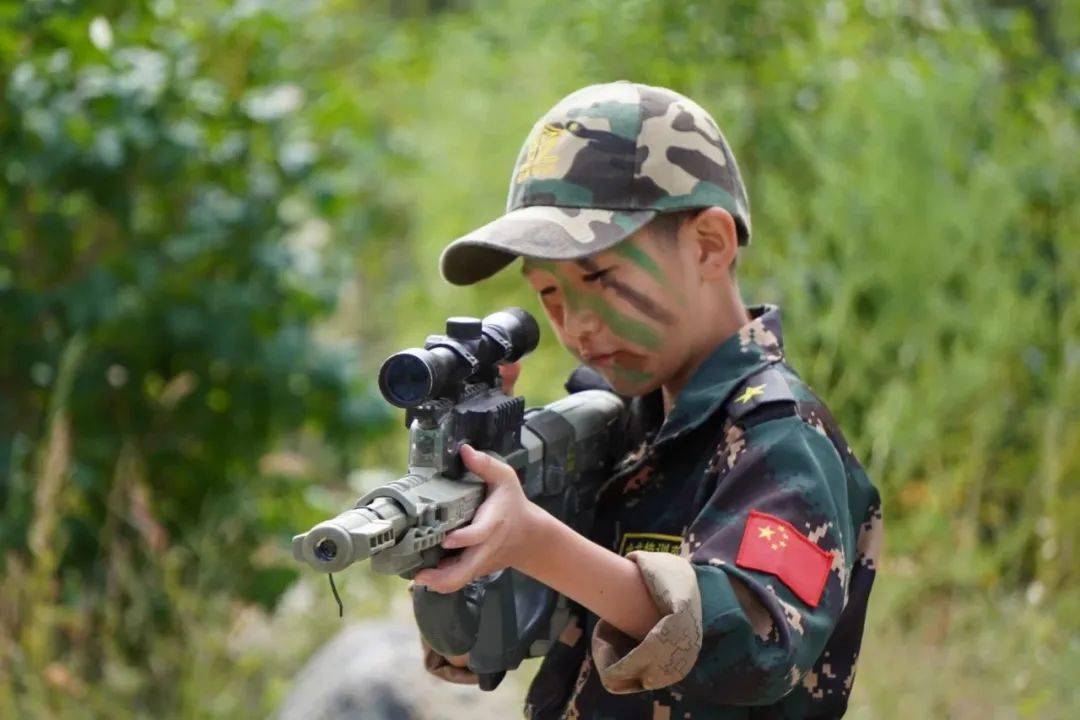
x,y
609,585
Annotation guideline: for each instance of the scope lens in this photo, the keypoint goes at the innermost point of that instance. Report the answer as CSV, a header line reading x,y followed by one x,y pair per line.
x,y
407,380
326,550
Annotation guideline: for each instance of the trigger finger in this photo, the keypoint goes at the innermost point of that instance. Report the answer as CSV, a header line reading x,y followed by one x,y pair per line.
x,y
452,574
468,536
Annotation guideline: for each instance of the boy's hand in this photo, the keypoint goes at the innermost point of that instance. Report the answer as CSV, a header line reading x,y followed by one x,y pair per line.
x,y
509,374
499,534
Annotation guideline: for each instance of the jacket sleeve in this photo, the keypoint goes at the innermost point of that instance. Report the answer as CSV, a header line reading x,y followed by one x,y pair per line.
x,y
754,637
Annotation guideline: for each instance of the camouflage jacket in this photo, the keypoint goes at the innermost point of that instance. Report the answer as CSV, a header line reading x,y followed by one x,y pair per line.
x,y
756,531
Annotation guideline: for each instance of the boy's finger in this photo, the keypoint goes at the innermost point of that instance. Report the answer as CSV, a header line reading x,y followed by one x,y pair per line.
x,y
439,578
509,374
468,536
458,660
423,576
490,470
453,573
435,581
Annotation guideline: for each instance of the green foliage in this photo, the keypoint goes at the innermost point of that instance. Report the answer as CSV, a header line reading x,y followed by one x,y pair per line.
x,y
165,255
189,190
162,206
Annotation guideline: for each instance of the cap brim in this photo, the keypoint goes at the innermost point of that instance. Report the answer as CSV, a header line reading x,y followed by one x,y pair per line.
x,y
542,231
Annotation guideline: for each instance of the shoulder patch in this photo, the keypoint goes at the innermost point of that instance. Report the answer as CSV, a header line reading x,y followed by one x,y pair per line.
x,y
767,387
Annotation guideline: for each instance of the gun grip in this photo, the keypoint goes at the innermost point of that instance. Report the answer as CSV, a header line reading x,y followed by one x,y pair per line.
x,y
449,623
490,681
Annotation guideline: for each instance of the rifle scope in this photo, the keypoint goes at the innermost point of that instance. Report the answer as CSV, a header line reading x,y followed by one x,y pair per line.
x,y
469,347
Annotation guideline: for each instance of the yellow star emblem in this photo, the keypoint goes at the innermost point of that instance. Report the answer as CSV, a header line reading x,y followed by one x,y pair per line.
x,y
766,532
750,393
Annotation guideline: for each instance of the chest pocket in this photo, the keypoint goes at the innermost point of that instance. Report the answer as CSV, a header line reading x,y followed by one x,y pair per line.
x,y
671,508
657,492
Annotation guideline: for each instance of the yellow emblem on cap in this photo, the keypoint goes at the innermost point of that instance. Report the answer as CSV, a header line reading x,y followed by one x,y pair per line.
x,y
540,158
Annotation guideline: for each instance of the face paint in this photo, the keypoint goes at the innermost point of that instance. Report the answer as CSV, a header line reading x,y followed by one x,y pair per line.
x,y
632,251
632,377
639,257
641,302
631,360
627,328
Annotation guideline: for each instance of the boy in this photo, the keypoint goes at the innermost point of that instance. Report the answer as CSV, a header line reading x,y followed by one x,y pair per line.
x,y
735,548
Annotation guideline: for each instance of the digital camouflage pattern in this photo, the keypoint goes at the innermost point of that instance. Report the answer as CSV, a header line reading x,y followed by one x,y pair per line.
x,y
746,433
598,166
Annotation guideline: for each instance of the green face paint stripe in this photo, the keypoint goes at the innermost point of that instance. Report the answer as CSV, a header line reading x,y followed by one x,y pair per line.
x,y
633,361
635,377
627,328
642,303
640,258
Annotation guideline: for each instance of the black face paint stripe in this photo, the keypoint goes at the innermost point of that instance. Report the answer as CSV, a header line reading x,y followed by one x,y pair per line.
x,y
643,304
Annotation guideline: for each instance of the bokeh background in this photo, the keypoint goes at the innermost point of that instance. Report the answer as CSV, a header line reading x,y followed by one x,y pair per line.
x,y
216,218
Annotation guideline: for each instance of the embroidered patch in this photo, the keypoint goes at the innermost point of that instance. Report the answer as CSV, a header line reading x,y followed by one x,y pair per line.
x,y
649,542
541,158
772,545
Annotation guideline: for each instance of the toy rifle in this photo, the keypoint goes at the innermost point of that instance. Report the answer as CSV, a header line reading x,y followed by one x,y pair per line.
x,y
562,452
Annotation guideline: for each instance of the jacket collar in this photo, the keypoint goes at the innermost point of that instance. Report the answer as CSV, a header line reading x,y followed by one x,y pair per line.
x,y
757,344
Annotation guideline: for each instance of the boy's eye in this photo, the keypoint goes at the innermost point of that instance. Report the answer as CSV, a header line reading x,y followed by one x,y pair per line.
x,y
594,276
547,291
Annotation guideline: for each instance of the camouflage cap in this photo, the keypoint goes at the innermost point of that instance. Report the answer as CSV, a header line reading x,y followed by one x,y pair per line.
x,y
598,166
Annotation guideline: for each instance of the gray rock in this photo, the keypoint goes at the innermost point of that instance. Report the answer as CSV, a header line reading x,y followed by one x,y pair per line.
x,y
373,671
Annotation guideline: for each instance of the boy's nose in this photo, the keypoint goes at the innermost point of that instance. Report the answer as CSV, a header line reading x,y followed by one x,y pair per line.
x,y
582,323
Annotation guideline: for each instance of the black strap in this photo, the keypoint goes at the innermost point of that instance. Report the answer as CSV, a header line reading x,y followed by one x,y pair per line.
x,y
585,378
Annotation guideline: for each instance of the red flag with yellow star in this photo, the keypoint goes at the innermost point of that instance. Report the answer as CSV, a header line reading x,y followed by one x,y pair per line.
x,y
772,545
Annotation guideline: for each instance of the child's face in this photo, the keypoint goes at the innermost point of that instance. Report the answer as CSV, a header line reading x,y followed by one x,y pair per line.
x,y
624,311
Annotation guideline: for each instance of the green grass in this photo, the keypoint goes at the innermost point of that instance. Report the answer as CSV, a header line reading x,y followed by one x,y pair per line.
x,y
967,656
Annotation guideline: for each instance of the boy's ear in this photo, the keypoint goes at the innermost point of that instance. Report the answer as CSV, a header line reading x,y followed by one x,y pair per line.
x,y
718,241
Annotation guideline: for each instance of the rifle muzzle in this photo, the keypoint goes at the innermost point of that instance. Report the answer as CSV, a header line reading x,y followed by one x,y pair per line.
x,y
352,536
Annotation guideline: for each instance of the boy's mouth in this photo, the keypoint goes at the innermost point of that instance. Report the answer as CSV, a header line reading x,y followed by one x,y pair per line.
x,y
622,358
605,360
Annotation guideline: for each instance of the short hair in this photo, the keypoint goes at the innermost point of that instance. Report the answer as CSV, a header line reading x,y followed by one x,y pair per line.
x,y
665,228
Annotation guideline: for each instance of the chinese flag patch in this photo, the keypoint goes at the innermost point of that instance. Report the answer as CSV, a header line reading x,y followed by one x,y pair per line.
x,y
772,545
